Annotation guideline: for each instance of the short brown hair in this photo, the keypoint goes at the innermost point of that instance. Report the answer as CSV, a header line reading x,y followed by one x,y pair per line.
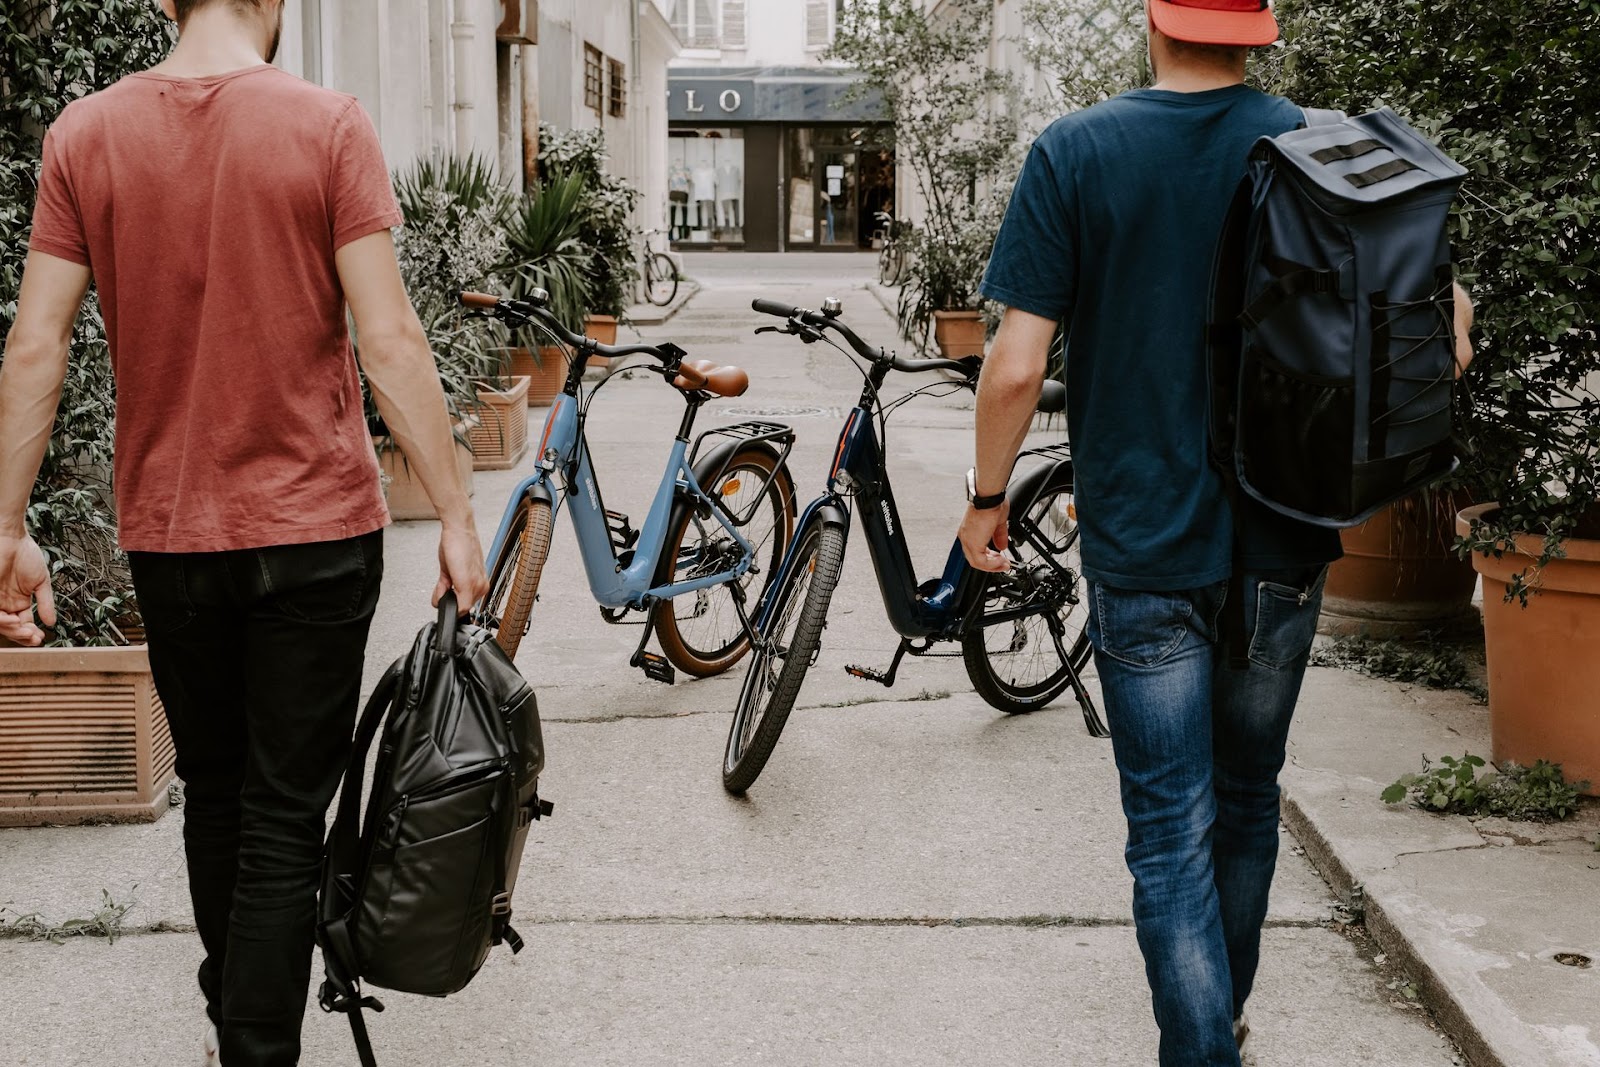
x,y
185,8
1211,55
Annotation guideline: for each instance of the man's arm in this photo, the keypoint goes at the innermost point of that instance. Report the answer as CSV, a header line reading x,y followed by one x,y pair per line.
x,y
405,384
1463,316
31,375
1008,395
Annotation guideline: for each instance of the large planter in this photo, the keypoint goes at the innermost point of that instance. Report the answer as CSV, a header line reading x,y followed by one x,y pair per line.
x,y
403,489
1544,673
83,737
546,374
1400,574
959,333
602,328
500,436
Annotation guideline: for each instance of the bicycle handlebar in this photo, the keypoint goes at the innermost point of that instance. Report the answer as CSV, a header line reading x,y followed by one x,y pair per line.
x,y
821,321
526,310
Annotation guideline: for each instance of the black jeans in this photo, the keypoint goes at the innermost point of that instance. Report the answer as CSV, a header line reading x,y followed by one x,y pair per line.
x,y
257,655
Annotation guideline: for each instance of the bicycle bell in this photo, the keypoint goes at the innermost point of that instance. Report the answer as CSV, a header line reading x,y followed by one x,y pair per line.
x,y
831,307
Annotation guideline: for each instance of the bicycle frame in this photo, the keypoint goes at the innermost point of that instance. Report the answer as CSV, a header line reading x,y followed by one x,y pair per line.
x,y
564,470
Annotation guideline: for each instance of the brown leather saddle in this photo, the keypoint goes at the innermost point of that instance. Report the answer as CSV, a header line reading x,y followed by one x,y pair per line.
x,y
704,376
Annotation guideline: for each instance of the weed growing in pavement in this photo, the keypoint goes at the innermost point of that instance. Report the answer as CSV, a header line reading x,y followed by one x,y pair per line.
x,y
1539,793
106,922
1430,660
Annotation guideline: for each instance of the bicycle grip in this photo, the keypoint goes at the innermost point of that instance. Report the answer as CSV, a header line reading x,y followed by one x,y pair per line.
x,y
774,307
479,300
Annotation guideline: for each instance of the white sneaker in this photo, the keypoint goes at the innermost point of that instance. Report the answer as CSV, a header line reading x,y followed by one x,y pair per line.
x,y
1241,1036
213,1048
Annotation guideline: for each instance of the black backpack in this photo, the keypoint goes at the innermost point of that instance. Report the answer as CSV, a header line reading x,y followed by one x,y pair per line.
x,y
415,895
1331,329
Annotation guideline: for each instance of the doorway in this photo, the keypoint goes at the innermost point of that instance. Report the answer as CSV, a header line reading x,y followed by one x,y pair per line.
x,y
833,175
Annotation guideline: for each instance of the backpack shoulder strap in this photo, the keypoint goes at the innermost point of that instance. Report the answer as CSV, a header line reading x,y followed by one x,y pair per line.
x,y
1321,116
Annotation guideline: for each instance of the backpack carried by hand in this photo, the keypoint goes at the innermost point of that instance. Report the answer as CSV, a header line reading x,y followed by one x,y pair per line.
x,y
415,895
1331,347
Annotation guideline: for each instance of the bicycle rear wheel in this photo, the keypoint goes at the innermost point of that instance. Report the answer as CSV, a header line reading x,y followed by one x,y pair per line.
x,y
792,636
701,632
661,279
1020,664
514,575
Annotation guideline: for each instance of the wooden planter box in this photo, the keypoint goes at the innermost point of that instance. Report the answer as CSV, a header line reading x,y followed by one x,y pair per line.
x,y
83,737
407,499
501,435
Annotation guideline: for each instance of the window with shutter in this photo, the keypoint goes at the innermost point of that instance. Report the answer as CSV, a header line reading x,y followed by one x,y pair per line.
x,y
818,23
733,32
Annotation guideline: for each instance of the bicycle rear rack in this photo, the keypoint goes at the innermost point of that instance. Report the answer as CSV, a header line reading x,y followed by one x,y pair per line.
x,y
1059,450
779,433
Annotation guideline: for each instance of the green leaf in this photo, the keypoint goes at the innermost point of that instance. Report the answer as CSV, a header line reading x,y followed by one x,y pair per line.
x,y
1395,793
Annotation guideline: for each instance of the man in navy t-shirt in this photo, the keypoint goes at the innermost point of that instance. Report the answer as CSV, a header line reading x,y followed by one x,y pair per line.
x,y
1110,233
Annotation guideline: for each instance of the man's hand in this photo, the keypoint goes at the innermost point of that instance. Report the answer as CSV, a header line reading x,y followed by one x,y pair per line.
x,y
24,576
1464,315
461,567
983,538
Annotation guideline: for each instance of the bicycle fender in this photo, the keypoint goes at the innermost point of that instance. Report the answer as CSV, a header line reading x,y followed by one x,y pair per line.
x,y
823,511
707,469
1026,489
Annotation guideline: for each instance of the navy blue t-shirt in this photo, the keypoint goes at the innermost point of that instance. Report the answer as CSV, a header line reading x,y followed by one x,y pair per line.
x,y
1111,231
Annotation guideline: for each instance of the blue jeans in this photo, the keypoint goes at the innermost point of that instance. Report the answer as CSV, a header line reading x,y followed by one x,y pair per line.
x,y
1198,747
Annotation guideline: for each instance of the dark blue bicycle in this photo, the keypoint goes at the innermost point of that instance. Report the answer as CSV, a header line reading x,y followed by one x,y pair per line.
x,y
1022,633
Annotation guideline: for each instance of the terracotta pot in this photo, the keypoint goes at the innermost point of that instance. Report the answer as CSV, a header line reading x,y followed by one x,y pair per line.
x,y
602,328
959,333
407,499
501,434
546,375
83,737
1399,574
1544,675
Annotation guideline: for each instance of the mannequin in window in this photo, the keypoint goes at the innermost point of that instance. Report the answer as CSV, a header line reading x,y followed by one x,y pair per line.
x,y
704,179
730,189
678,202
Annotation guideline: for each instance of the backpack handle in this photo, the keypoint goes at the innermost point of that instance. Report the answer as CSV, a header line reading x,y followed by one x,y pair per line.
x,y
444,631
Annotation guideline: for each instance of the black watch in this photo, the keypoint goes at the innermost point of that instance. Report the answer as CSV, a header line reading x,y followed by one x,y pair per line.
x,y
982,503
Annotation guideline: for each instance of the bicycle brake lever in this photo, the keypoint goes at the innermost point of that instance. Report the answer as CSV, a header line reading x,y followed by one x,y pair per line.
x,y
770,329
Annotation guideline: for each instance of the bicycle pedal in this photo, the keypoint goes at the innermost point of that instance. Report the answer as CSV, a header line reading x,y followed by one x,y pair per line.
x,y
656,667
867,674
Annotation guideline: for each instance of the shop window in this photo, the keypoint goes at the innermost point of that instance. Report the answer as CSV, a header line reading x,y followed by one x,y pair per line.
x,y
617,100
593,79
695,22
705,186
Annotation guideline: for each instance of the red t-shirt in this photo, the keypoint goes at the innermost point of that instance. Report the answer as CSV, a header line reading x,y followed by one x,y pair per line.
x,y
209,210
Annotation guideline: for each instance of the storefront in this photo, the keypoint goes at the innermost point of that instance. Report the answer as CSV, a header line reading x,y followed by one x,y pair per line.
x,y
774,159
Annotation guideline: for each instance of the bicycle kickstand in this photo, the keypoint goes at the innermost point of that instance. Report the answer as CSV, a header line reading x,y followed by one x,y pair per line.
x,y
1091,715
883,678
655,666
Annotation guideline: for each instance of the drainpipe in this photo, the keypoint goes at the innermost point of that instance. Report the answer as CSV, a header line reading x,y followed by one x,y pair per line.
x,y
641,152
461,36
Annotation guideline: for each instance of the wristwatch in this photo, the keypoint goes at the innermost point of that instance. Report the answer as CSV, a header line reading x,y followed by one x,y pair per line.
x,y
982,503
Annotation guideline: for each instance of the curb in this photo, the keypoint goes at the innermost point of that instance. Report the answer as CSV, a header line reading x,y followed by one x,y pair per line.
x,y
1480,1025
654,316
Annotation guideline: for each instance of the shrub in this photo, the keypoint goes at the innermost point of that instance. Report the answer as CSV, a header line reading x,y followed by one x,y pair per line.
x,y
605,210
1508,90
55,52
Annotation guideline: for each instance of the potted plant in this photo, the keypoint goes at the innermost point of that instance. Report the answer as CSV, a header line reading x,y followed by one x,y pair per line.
x,y
456,211
1510,93
606,228
1401,574
544,251
83,736
957,132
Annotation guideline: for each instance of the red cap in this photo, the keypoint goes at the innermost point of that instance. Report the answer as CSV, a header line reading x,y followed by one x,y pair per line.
x,y
1244,23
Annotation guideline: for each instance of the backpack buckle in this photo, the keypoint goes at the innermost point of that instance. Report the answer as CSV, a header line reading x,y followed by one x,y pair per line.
x,y
500,906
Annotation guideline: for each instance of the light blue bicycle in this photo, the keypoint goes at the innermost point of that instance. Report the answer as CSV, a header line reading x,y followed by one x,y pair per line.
x,y
720,520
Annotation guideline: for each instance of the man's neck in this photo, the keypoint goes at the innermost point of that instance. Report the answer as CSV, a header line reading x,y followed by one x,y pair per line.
x,y
1198,80
214,41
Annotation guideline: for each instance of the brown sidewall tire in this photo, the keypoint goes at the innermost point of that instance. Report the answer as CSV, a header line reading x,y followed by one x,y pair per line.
x,y
673,645
532,527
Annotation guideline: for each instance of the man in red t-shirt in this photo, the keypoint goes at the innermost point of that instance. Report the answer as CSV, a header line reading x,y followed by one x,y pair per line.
x,y
227,213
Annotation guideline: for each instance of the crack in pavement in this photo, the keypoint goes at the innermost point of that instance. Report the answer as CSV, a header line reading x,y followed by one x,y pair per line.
x,y
625,716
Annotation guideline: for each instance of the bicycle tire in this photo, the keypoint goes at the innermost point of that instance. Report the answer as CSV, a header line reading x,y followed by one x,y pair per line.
x,y
886,263
998,686
681,648
816,573
514,575
661,279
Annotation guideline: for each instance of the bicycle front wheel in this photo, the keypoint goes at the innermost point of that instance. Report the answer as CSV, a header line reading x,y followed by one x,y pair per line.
x,y
791,638
701,632
661,279
1019,662
514,575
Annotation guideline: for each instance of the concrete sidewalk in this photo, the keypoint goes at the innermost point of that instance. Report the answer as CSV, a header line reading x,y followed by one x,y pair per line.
x,y
916,879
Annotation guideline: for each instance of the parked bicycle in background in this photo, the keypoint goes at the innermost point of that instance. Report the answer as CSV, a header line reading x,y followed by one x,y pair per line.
x,y
659,271
719,522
